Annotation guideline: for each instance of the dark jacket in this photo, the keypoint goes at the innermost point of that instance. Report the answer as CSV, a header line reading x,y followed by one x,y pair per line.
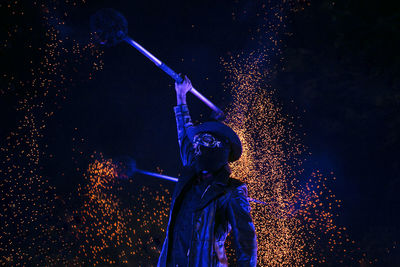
x,y
223,208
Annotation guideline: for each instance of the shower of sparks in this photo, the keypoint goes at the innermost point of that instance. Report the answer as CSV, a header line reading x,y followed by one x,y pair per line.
x,y
29,231
265,165
295,217
297,227
114,230
105,230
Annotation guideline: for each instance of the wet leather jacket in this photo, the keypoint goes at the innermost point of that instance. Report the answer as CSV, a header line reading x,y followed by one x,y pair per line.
x,y
223,208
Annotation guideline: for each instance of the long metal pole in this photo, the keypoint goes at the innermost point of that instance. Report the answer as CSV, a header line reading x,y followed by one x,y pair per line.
x,y
165,177
173,74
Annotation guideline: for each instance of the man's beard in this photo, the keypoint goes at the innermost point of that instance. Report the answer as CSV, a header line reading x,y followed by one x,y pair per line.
x,y
210,159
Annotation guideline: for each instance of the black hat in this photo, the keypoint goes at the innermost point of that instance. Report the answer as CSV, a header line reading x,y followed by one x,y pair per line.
x,y
222,130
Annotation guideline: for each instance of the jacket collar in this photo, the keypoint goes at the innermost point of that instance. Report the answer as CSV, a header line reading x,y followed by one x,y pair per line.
x,y
216,188
220,178
222,175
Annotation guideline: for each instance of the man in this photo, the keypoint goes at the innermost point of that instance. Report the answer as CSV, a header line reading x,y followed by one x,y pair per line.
x,y
207,204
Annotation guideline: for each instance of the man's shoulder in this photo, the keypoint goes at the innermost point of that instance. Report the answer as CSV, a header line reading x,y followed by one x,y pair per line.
x,y
234,183
234,189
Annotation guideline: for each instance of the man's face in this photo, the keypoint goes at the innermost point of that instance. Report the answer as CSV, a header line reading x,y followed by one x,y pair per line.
x,y
211,152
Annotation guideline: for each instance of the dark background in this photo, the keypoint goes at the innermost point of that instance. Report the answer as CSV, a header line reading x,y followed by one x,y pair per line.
x,y
342,68
339,74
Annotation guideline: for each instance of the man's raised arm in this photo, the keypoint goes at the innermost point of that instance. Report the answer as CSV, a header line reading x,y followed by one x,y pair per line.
x,y
183,120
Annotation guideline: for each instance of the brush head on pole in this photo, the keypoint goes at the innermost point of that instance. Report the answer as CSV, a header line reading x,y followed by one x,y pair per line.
x,y
126,167
109,26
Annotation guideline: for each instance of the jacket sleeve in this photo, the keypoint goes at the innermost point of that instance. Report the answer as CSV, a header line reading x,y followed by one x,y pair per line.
x,y
183,121
243,230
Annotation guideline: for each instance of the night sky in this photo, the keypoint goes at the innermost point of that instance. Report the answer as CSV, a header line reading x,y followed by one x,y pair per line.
x,y
335,72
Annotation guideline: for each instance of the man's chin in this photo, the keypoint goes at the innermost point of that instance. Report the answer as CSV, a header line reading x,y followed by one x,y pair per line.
x,y
207,168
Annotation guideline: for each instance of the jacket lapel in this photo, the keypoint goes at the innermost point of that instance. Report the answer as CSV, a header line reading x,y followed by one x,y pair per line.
x,y
213,191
